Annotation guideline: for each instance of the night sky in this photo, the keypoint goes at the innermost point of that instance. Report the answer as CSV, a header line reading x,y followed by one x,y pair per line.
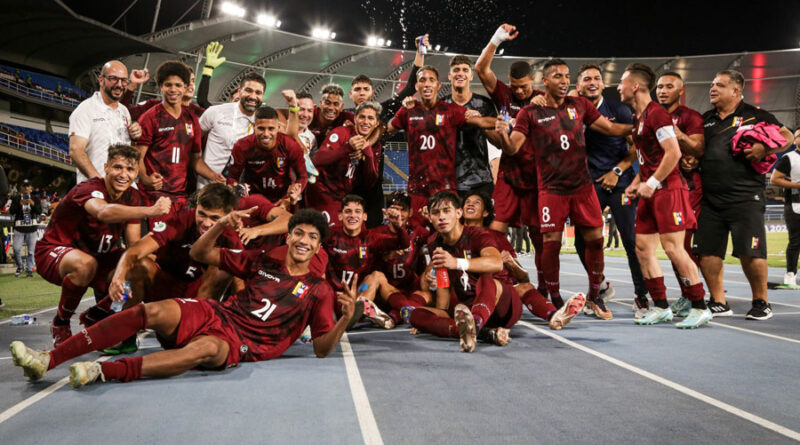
x,y
555,28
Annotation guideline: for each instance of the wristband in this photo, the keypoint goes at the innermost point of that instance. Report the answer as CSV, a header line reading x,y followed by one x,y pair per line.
x,y
500,36
294,109
462,264
653,183
208,70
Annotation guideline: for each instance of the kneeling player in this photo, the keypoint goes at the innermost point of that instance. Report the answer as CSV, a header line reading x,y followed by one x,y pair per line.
x,y
479,212
80,248
480,293
664,212
259,323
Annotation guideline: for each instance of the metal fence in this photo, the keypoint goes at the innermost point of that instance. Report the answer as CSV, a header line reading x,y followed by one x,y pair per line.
x,y
11,140
38,94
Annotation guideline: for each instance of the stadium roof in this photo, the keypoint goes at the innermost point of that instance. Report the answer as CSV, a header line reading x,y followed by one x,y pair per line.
x,y
49,36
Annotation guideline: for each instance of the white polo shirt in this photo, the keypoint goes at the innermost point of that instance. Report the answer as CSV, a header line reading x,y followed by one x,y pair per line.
x,y
102,126
225,124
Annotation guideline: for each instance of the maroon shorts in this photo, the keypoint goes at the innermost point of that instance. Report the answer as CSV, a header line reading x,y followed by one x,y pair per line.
x,y
668,210
582,207
166,286
198,318
48,259
695,197
515,206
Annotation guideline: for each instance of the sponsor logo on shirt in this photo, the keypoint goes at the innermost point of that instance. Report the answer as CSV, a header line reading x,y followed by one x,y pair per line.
x,y
545,119
573,114
255,162
439,120
300,290
99,119
163,129
337,250
269,276
160,226
678,218
416,118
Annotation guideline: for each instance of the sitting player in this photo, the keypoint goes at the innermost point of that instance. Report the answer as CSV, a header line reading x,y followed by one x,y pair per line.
x,y
259,323
80,246
480,292
352,250
478,212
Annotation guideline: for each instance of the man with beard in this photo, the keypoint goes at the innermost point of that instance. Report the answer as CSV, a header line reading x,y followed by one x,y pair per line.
x,y
270,163
224,124
99,122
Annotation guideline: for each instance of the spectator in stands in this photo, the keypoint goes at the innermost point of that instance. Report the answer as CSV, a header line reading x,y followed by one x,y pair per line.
x,y
26,211
99,122
787,175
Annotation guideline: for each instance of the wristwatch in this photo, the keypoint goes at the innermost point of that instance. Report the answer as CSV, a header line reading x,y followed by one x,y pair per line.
x,y
617,171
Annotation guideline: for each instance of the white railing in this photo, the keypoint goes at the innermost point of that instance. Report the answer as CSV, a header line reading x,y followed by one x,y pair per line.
x,y
12,140
38,94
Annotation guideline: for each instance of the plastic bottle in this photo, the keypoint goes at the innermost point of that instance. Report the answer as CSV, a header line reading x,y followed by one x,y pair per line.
x,y
116,306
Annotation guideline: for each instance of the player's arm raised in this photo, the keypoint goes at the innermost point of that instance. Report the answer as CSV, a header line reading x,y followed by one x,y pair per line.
x,y
484,63
608,128
324,344
694,144
204,250
111,213
277,224
509,143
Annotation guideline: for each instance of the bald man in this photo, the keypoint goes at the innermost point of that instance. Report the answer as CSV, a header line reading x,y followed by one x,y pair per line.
x,y
99,122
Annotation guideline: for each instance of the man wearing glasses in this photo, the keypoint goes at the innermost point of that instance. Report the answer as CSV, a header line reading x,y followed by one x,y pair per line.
x,y
99,122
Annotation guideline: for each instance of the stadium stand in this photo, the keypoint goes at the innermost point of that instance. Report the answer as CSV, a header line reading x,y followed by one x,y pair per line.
x,y
40,86
38,142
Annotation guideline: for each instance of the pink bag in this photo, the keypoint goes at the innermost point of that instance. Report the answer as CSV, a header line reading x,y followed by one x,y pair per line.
x,y
764,133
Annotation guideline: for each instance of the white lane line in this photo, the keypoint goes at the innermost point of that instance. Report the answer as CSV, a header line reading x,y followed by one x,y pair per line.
x,y
366,420
763,334
750,417
16,409
42,311
378,332
6,358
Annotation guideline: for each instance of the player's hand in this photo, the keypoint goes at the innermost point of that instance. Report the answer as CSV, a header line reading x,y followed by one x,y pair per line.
x,y
348,298
423,211
294,192
161,207
507,258
504,33
608,181
234,219
472,113
689,163
157,181
134,130
539,100
115,288
218,177
393,216
213,50
409,102
247,234
442,258
501,126
756,152
632,190
644,190
138,77
290,97
358,142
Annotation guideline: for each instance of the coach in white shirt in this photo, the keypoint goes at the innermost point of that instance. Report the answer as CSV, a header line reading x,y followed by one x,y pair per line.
x,y
225,124
99,122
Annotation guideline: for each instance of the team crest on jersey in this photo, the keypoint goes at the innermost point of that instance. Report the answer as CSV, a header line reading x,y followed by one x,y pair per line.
x,y
737,121
160,226
754,243
640,129
625,200
573,114
300,290
280,161
362,252
189,129
439,120
678,218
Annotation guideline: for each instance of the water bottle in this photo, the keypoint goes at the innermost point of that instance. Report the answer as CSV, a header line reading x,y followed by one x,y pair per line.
x,y
23,319
423,49
116,306
506,117
427,255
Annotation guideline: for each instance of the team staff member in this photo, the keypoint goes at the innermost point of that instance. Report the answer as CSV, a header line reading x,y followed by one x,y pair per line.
x,y
26,211
787,175
733,195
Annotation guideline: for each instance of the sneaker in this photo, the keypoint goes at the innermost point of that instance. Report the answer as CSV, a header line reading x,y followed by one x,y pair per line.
x,y
790,279
374,314
695,319
34,363
640,307
606,291
17,273
719,309
567,312
29,274
305,337
497,336
761,310
93,315
1,304
466,327
59,333
83,373
654,316
405,313
358,312
127,346
587,310
599,309
681,307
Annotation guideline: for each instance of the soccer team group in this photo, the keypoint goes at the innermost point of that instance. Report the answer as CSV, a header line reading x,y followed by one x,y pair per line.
x,y
285,235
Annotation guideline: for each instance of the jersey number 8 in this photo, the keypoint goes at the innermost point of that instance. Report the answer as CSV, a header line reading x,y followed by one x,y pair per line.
x,y
564,142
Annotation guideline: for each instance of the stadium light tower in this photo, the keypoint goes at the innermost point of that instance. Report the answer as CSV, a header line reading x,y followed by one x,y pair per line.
x,y
233,9
323,33
373,40
268,20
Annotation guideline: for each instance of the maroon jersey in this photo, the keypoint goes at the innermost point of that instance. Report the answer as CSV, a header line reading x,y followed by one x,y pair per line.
x,y
504,97
274,307
647,130
690,122
175,236
403,266
268,172
556,136
519,171
472,241
319,262
72,226
349,255
170,144
431,135
321,132
337,174
136,110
